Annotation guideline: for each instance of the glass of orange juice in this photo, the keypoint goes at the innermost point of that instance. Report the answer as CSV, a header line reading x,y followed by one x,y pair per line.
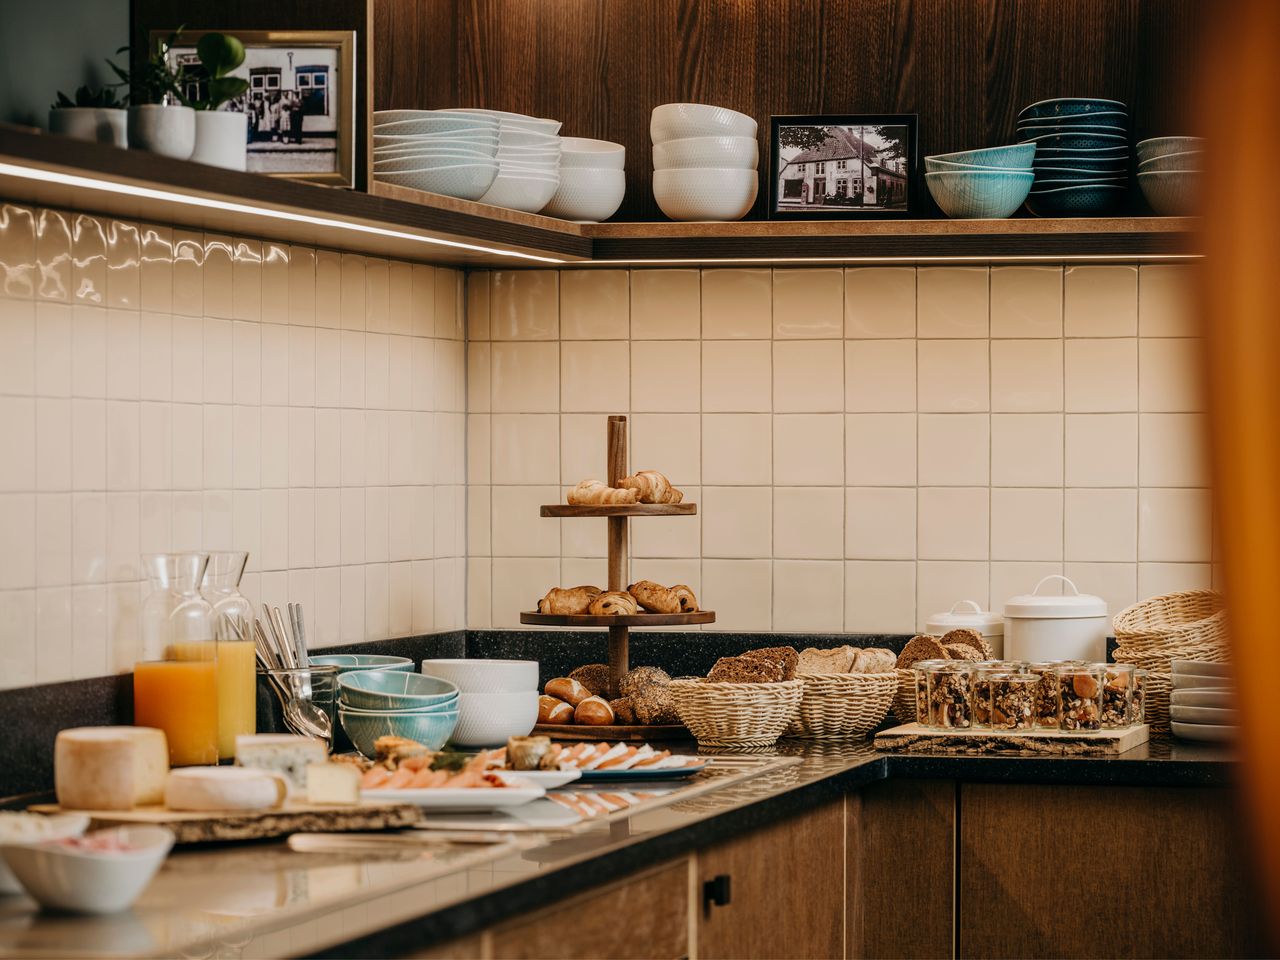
x,y
237,660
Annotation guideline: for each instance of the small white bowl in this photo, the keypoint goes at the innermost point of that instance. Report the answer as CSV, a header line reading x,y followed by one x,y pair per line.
x,y
60,826
489,719
527,194
466,181
1220,698
1188,714
587,193
741,152
512,137
1199,680
485,676
430,125
674,121
425,161
705,193
598,154
1202,667
85,881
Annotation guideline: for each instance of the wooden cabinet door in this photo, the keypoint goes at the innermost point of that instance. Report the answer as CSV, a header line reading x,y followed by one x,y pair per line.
x,y
786,890
645,917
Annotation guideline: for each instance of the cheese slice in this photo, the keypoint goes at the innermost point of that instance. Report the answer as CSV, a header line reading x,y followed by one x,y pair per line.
x,y
284,753
333,783
110,768
207,789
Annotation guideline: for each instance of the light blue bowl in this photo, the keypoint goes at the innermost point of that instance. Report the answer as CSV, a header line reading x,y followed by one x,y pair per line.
x,y
443,706
1014,156
979,194
432,730
393,690
934,165
346,662
1069,106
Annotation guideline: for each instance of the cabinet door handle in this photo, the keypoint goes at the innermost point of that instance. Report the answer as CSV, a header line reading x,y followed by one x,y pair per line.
x,y
716,892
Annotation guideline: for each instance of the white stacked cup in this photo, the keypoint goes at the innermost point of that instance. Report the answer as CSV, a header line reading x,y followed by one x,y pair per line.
x,y
704,161
592,180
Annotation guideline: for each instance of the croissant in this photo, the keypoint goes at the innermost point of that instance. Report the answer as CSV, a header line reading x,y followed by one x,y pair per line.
x,y
568,600
652,487
613,603
688,602
596,492
654,597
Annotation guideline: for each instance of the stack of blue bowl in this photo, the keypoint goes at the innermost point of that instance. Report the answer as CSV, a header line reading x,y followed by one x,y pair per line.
x,y
388,703
1082,155
987,184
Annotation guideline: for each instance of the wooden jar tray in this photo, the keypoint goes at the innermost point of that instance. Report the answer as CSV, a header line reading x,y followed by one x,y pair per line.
x,y
914,738
586,731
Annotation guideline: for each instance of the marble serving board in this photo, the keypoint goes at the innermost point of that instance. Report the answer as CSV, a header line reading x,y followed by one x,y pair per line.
x,y
914,738
237,825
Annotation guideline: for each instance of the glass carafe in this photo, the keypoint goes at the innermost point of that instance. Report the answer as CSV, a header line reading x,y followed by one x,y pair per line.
x,y
233,619
176,689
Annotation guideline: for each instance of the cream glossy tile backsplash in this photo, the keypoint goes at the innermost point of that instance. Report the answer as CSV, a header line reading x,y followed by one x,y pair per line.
x,y
866,445
163,389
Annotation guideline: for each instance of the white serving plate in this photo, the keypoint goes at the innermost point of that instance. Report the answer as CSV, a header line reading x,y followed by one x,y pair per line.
x,y
1202,715
546,779
460,799
1208,732
1202,668
1181,680
1204,697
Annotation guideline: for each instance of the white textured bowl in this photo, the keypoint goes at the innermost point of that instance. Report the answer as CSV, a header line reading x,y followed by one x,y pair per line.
x,y
87,882
60,825
1196,681
485,676
1202,668
527,194
452,136
426,161
395,153
741,152
513,121
510,136
588,193
674,121
598,154
488,719
431,125
1221,698
466,181
705,193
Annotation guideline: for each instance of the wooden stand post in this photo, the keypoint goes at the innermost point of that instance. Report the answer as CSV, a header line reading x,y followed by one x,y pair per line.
x,y
619,657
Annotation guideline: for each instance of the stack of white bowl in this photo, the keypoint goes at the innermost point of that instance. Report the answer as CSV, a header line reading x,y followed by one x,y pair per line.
x,y
592,180
528,161
1203,703
1169,174
704,161
451,152
498,698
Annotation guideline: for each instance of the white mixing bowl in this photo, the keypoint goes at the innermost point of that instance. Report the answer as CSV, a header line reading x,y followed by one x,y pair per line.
x,y
705,193
707,152
673,121
587,193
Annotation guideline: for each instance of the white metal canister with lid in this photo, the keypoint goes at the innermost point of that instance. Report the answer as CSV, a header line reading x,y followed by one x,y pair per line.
x,y
967,613
1069,626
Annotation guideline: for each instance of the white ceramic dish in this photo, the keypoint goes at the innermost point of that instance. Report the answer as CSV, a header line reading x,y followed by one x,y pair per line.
x,y
459,799
430,125
90,882
444,143
705,193
490,719
1210,733
1202,668
741,152
467,181
423,161
546,779
585,152
516,192
1212,715
674,121
485,676
60,825
1217,697
587,193
1196,680
511,137
1161,146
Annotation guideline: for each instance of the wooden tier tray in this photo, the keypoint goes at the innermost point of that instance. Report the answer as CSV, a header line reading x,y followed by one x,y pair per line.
x,y
534,618
586,731
194,827
618,510
914,738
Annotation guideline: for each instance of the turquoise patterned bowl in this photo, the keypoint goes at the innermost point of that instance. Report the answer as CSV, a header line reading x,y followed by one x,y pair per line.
x,y
1079,201
432,730
346,662
1016,156
1069,107
393,690
979,194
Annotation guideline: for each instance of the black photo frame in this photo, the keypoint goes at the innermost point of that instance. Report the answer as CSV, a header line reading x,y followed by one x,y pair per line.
x,y
853,173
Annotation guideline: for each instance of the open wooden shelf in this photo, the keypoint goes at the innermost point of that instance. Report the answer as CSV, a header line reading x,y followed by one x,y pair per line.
x,y
532,618
393,221
618,510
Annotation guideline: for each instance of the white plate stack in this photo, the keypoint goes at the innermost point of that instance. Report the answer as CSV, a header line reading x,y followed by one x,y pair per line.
x,y
704,161
450,152
528,161
592,180
1203,703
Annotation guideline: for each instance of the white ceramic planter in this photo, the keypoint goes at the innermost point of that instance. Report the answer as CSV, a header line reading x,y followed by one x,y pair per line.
x,y
220,139
99,124
1040,627
159,128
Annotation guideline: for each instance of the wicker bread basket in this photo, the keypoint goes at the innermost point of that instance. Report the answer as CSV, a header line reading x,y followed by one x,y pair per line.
x,y
843,706
736,714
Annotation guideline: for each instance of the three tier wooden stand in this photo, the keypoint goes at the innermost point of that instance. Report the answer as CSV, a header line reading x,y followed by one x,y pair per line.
x,y
619,626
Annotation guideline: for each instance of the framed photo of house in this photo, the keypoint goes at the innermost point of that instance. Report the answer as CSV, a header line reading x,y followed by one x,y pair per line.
x,y
836,166
301,102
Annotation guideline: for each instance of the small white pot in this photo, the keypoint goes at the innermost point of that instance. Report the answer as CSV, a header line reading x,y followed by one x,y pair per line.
x,y
1040,627
220,139
163,129
968,613
99,124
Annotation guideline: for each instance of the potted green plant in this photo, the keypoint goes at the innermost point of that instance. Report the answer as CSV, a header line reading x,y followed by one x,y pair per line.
x,y
93,115
158,120
221,135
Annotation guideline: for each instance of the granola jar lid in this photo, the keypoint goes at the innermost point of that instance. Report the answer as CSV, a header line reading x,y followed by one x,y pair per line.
x,y
966,613
1038,606
920,666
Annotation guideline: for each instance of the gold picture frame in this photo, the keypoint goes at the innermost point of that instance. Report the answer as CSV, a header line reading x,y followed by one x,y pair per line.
x,y
272,152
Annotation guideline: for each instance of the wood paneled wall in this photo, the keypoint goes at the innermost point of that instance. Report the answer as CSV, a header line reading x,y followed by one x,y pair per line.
x,y
964,66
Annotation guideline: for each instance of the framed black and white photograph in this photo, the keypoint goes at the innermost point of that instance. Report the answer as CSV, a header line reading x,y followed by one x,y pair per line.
x,y
300,104
835,166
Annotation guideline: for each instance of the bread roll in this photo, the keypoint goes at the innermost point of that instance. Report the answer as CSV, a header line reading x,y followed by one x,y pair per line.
x,y
570,691
654,597
554,710
880,659
568,600
624,711
596,492
594,676
594,711
613,603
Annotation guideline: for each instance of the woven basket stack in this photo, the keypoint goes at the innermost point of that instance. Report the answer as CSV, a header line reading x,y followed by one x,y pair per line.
x,y
843,706
737,714
1190,625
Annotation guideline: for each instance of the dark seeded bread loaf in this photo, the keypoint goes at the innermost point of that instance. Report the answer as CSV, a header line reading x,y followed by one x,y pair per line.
x,y
746,669
920,648
785,657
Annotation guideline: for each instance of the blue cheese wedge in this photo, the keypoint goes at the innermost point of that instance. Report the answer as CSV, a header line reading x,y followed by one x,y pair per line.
x,y
283,753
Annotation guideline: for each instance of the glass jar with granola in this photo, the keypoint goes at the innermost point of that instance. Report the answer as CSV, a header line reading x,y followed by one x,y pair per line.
x,y
1080,696
982,673
1138,697
1045,692
1013,699
1117,694
950,686
921,680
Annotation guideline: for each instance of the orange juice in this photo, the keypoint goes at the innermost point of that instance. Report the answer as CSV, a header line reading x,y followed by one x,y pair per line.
x,y
237,693
181,698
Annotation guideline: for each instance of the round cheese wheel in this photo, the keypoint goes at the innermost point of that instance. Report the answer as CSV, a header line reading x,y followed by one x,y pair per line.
x,y
110,768
224,788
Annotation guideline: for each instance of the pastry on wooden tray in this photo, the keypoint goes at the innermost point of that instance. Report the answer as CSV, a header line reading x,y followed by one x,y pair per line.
x,y
652,487
624,711
594,711
554,710
648,689
613,603
654,597
595,492
564,688
568,601
594,676
688,602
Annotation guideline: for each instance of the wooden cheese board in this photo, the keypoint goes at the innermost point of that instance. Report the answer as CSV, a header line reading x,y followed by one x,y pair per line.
x,y
915,738
630,732
236,825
